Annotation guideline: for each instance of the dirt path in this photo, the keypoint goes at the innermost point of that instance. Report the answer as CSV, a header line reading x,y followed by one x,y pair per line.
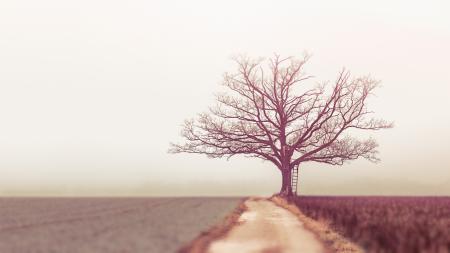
x,y
267,228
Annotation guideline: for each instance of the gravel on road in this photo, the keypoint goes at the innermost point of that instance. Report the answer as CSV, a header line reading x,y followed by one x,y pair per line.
x,y
266,227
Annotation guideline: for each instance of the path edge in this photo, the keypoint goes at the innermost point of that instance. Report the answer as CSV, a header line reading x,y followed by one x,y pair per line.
x,y
331,239
201,243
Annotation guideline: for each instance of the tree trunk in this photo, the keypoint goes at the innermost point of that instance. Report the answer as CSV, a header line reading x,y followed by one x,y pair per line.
x,y
286,187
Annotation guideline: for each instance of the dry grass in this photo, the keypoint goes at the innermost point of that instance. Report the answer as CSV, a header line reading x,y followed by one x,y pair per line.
x,y
332,240
385,224
201,243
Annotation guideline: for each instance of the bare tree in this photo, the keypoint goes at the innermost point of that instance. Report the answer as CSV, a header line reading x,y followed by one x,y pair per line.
x,y
270,113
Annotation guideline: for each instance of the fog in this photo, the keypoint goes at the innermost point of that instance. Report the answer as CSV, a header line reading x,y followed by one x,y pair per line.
x,y
92,92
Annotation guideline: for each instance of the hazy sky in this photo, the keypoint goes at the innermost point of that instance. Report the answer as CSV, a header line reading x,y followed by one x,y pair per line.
x,y
92,92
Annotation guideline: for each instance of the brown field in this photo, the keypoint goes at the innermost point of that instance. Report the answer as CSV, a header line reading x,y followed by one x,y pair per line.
x,y
386,224
122,225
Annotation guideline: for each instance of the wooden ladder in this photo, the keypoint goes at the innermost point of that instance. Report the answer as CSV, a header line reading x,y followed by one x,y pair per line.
x,y
294,179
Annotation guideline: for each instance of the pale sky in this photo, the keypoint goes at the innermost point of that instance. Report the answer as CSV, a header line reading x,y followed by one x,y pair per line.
x,y
93,91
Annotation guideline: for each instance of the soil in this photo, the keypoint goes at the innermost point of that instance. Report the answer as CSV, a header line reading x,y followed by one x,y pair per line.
x,y
267,228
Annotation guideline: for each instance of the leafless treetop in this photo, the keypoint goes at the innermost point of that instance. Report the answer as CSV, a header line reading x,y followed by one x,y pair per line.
x,y
272,112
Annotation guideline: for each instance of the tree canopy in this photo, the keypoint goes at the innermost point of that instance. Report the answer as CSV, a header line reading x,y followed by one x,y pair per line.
x,y
272,112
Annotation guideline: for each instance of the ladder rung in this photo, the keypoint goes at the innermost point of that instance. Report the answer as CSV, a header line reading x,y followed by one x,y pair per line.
x,y
294,179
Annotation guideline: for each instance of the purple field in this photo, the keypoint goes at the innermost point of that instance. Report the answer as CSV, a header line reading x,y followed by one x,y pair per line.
x,y
386,224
